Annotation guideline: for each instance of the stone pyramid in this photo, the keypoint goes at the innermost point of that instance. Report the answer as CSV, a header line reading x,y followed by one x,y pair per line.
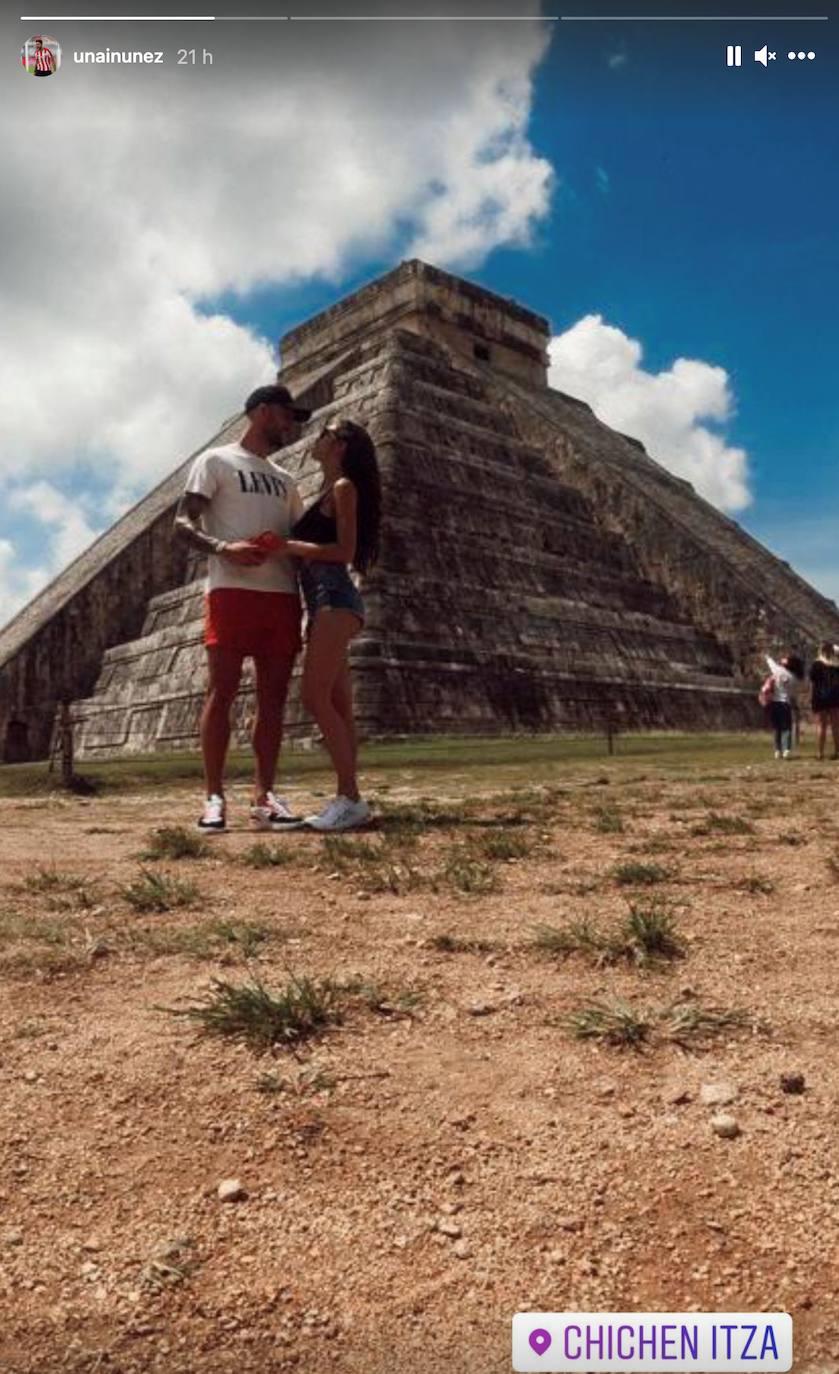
x,y
539,571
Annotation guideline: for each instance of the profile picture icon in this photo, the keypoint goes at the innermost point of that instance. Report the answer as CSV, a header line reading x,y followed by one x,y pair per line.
x,y
41,55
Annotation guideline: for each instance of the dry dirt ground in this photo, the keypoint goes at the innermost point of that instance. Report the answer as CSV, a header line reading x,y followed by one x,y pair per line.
x,y
448,1152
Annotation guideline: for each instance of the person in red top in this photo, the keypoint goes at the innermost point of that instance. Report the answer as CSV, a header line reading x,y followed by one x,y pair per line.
x,y
44,60
237,508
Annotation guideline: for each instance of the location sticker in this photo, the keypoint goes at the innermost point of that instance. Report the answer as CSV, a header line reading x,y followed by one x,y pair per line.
x,y
540,1340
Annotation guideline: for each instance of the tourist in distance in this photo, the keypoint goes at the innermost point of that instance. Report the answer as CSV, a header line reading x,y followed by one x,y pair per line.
x,y
341,527
235,494
786,676
824,700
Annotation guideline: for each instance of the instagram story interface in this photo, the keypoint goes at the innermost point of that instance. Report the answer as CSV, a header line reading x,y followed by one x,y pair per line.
x,y
419,689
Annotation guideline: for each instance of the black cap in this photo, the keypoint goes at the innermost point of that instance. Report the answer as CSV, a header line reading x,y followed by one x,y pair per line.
x,y
275,395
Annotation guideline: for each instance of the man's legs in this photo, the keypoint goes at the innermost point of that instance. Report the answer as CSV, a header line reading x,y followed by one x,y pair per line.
x,y
273,675
225,667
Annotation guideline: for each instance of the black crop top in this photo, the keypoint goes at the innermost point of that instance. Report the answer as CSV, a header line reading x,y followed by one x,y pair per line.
x,y
314,527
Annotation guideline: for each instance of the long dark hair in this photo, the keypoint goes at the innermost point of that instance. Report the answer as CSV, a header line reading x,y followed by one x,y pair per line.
x,y
795,665
361,465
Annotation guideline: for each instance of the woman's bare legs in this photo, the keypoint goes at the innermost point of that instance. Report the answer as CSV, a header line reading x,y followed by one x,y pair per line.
x,y
325,668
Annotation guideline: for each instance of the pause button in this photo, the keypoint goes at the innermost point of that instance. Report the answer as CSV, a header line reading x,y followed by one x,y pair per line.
x,y
734,56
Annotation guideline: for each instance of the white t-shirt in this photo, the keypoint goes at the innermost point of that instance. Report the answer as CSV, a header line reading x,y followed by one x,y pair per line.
x,y
247,495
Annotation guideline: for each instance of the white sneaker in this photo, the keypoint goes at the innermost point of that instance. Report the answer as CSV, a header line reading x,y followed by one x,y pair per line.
x,y
777,753
787,754
274,814
340,814
213,816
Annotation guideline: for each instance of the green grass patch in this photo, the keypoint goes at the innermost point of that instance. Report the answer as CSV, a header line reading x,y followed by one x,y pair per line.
x,y
16,927
717,824
458,944
501,847
631,874
688,1024
155,891
261,855
471,876
608,820
647,936
513,759
176,842
614,1023
262,1018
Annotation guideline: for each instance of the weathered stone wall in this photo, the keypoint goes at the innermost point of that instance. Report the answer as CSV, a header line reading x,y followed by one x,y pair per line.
x,y
62,657
720,577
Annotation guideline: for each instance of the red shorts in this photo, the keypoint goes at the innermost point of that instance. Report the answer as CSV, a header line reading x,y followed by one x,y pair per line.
x,y
255,624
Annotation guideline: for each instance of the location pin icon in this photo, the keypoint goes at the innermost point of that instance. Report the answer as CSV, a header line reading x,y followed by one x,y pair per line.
x,y
540,1340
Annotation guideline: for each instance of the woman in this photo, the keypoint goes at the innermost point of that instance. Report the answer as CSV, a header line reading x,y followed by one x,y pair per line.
x,y
786,676
341,527
824,683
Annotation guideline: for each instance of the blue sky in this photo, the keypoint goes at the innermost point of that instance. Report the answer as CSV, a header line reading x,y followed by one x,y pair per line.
x,y
694,209
618,177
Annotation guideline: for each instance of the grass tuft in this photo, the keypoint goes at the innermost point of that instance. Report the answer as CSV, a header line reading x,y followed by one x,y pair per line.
x,y
754,883
250,1012
649,934
175,842
456,944
717,824
608,821
615,1023
158,892
263,855
632,874
690,1023
501,846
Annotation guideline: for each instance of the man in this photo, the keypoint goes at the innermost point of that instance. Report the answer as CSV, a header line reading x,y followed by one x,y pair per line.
x,y
44,60
233,495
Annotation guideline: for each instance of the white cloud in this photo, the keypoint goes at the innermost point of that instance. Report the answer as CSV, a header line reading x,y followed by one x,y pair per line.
x,y
18,583
65,520
669,411
157,191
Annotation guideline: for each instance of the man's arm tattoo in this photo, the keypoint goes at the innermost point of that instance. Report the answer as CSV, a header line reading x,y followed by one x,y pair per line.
x,y
190,510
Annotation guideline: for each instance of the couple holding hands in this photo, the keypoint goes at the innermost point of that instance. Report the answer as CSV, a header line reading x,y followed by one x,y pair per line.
x,y
263,549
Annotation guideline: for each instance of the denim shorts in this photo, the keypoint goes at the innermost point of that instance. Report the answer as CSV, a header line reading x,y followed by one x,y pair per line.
x,y
328,586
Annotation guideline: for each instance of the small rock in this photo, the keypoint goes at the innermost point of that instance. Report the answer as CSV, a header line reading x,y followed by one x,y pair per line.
x,y
13,1237
231,1190
92,1244
674,1094
461,1249
569,1223
792,1082
480,1008
30,1076
447,1227
725,1126
717,1094
89,1269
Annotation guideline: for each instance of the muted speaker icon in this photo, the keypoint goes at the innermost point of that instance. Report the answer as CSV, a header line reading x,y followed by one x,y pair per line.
x,y
760,55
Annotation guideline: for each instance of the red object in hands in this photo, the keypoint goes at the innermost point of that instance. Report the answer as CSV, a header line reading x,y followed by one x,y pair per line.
x,y
268,540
